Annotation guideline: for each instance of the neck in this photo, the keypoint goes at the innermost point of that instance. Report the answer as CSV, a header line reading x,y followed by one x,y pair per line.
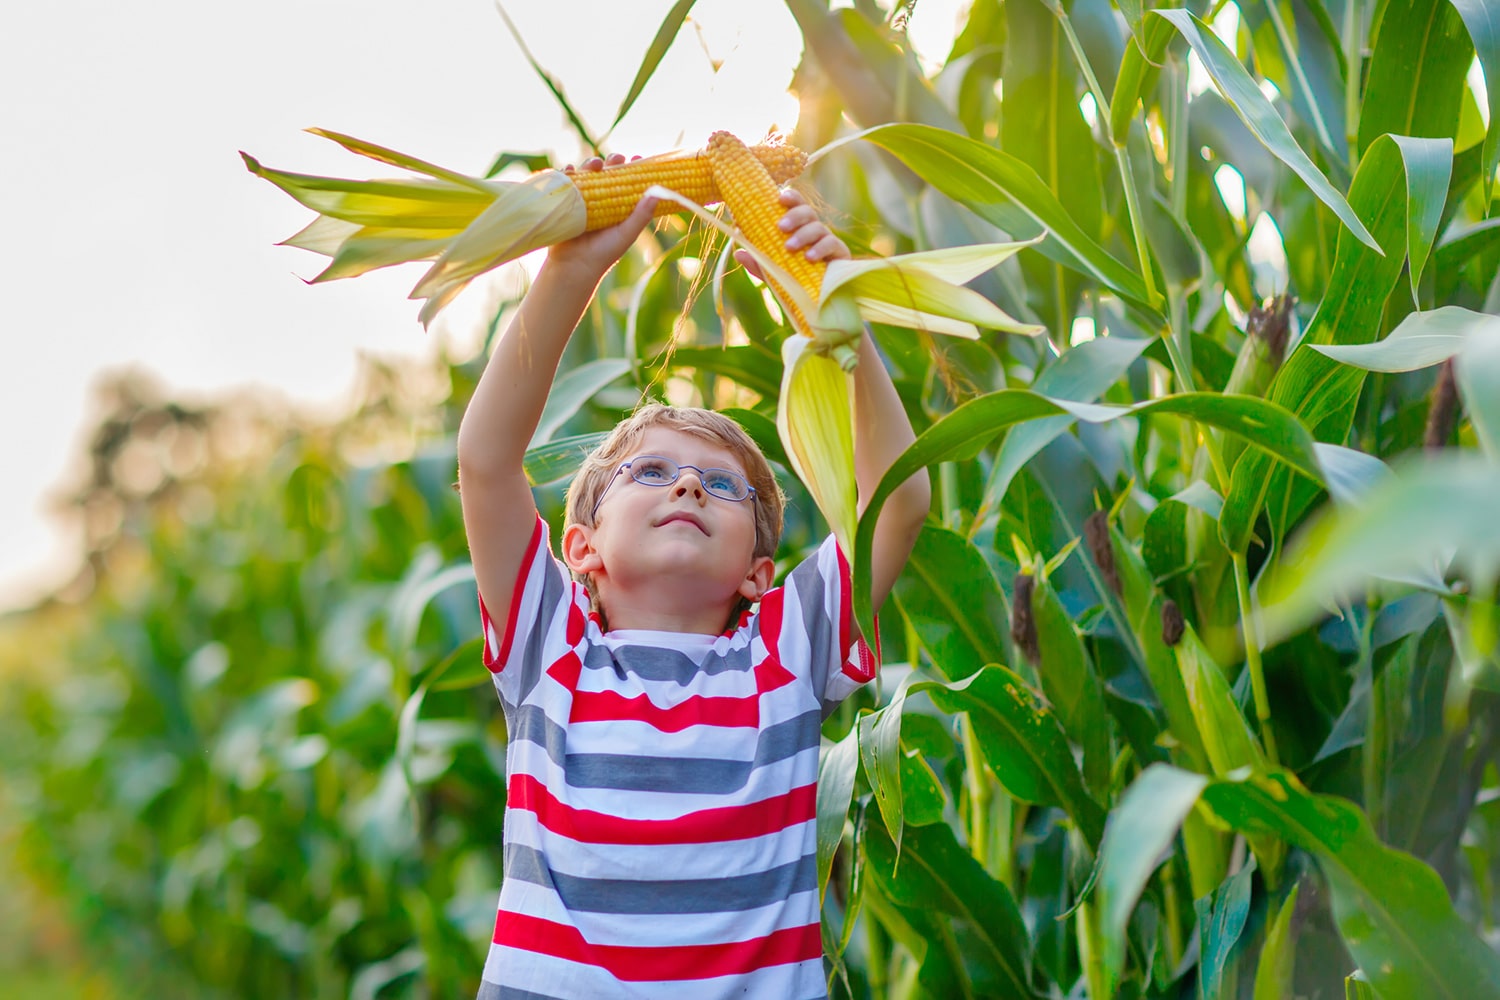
x,y
659,613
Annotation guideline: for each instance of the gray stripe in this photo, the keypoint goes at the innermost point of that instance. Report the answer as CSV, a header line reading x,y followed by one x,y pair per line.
x,y
656,663
705,895
691,775
554,594
811,590
494,991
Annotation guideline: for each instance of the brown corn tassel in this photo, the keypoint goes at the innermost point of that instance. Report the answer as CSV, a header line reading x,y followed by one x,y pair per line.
x,y
1022,623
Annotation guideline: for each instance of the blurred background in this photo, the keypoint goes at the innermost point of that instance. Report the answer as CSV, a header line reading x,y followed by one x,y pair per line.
x,y
180,407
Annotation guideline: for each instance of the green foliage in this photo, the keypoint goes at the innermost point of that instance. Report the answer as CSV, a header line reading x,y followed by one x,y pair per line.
x,y
1192,678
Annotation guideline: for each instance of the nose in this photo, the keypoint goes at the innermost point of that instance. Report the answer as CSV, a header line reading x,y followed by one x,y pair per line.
x,y
683,487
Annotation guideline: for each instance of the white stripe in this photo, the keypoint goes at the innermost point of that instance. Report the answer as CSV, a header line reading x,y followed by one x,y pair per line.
x,y
649,861
557,977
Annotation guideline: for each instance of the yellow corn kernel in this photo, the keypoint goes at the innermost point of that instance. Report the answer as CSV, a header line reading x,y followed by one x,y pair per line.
x,y
753,198
610,194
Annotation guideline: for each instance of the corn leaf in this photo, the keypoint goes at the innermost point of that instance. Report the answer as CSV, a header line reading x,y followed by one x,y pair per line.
x,y
1418,341
837,765
1254,109
1022,741
1141,829
1431,511
1008,193
1391,909
816,428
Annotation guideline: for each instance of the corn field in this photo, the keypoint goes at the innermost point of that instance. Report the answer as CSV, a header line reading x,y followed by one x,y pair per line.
x,y
1191,688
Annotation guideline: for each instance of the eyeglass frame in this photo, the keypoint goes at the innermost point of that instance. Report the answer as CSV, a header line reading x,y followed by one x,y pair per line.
x,y
751,495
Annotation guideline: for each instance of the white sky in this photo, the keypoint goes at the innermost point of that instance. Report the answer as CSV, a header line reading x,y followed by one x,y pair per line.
x,y
134,235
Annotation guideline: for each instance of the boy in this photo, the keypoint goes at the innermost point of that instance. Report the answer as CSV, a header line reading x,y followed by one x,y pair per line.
x,y
660,825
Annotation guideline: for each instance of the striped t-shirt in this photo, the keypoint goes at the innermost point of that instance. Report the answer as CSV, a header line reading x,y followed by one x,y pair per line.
x,y
660,820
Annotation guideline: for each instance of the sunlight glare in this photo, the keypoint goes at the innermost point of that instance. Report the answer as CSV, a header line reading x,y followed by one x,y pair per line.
x,y
1084,329
1266,252
1231,187
1476,81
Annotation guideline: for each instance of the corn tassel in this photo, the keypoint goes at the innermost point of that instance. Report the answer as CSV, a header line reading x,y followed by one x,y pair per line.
x,y
469,225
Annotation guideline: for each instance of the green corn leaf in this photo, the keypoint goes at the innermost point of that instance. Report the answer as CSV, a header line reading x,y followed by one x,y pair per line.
x,y
1391,909
1006,192
1273,973
1022,741
559,459
1072,686
880,753
1141,829
1433,510
571,391
1420,340
665,36
1483,23
1221,921
1416,70
953,603
938,876
837,765
1478,375
1256,112
1319,391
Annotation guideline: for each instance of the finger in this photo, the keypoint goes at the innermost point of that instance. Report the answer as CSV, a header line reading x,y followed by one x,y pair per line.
x,y
743,258
614,158
796,218
791,197
829,247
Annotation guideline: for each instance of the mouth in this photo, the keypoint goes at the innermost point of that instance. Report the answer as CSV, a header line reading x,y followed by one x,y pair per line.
x,y
683,516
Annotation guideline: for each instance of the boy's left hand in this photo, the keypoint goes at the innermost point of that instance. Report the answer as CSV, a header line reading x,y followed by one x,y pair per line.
x,y
805,232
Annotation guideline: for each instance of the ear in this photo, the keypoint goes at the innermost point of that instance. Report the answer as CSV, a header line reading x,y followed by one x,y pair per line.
x,y
578,549
758,580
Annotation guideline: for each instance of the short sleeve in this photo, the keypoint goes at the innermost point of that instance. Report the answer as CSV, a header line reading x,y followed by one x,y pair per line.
x,y
548,614
809,623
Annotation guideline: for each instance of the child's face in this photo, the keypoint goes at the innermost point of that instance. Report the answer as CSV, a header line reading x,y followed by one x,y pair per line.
x,y
678,535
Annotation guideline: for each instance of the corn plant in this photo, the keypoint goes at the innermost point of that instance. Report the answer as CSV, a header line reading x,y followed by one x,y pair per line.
x,y
1191,682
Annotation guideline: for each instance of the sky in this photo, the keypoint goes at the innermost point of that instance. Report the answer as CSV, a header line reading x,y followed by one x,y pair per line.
x,y
136,238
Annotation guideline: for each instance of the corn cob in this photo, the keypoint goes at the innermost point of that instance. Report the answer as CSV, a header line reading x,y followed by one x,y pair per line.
x,y
610,194
753,199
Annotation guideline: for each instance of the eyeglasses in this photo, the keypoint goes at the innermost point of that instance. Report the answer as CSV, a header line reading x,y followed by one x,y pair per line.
x,y
653,470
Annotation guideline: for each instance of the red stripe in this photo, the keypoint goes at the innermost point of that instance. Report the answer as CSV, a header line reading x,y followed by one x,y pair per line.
x,y
699,710
497,662
659,964
770,675
566,670
707,826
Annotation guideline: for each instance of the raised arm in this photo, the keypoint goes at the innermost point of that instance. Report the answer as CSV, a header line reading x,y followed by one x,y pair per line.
x,y
881,430
499,512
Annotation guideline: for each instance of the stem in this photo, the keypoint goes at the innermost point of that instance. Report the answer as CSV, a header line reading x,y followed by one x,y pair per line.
x,y
979,795
878,961
1177,142
1101,112
1252,658
1372,760
1353,64
1137,222
1173,915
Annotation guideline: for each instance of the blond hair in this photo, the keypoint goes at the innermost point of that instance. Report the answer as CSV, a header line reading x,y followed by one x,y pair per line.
x,y
599,467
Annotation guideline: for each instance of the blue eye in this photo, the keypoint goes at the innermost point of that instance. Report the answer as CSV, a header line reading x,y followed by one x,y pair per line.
x,y
722,481
652,471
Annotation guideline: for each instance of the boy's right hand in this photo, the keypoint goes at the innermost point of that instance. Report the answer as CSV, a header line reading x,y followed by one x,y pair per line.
x,y
592,254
